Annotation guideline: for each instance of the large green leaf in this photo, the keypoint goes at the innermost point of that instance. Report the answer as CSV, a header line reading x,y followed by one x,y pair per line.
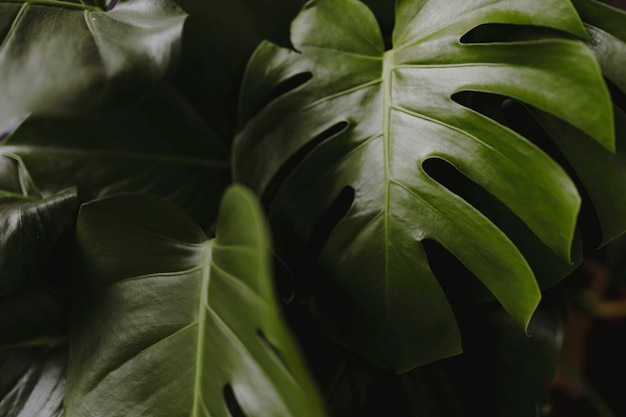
x,y
64,56
180,325
30,223
156,146
342,116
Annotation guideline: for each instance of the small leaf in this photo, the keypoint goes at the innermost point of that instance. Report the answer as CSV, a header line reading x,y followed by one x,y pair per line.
x,y
194,317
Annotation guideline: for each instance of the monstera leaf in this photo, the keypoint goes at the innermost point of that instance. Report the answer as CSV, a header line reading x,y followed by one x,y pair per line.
x,y
30,223
67,56
154,147
342,127
187,326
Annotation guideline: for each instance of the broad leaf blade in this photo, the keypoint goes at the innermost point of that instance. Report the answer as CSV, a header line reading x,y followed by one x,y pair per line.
x,y
30,224
193,316
61,57
368,119
154,147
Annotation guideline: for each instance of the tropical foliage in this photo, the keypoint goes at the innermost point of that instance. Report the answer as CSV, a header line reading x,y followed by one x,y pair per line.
x,y
207,211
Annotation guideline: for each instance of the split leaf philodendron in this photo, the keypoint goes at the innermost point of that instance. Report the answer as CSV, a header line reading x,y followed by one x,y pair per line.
x,y
371,118
430,175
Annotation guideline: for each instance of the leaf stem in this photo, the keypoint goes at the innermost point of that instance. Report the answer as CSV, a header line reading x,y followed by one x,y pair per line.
x,y
59,3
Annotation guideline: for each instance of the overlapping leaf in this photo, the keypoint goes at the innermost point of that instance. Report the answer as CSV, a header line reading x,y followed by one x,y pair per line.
x,y
30,223
63,57
155,147
187,326
342,116
593,163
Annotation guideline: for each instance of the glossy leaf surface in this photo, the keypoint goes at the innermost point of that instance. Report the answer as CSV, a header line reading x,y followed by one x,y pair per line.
x,y
30,223
32,382
62,57
154,147
195,318
343,113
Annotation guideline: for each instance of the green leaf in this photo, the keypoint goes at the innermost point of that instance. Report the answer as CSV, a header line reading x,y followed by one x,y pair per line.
x,y
30,224
342,113
59,57
156,146
194,317
32,382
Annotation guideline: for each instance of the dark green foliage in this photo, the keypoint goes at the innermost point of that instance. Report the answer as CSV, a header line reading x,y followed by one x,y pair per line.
x,y
429,174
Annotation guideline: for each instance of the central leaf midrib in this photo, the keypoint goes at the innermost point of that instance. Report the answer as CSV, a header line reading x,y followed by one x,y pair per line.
x,y
202,317
387,74
205,310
